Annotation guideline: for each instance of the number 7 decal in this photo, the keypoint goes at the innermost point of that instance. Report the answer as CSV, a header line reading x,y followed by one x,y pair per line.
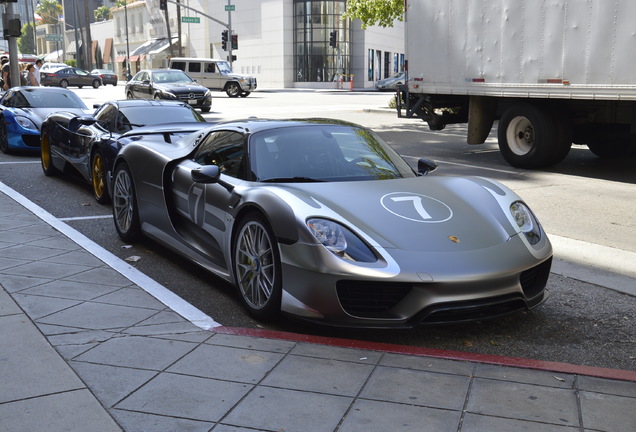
x,y
417,204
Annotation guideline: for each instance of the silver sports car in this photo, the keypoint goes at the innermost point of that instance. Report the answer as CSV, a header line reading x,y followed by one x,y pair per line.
x,y
322,220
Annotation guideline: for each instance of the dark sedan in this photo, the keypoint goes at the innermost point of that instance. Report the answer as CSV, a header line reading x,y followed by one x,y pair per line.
x,y
23,109
90,143
107,76
171,84
70,76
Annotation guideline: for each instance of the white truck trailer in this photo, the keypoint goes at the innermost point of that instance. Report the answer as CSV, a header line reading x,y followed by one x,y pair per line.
x,y
554,72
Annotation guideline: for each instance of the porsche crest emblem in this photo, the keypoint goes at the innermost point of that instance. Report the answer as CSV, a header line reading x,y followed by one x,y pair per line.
x,y
453,239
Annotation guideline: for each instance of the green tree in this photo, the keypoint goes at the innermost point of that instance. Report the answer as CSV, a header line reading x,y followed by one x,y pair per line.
x,y
49,10
25,42
375,12
102,13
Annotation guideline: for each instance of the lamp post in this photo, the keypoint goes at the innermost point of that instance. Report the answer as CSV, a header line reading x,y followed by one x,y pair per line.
x,y
128,74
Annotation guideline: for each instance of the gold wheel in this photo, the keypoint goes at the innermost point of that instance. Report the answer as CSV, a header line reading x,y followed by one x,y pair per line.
x,y
99,179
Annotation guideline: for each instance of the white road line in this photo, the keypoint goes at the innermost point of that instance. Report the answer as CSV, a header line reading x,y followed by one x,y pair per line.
x,y
158,291
19,162
86,218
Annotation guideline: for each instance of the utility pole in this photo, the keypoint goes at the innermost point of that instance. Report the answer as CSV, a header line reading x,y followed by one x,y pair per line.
x,y
14,69
77,40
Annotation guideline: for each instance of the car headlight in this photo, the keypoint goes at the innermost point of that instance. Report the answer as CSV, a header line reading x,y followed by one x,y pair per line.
x,y
168,95
340,241
25,122
527,222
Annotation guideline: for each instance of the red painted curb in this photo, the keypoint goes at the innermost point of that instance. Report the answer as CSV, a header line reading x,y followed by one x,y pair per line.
x,y
568,368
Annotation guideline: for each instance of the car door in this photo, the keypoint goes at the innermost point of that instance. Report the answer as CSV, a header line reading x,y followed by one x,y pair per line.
x,y
82,78
201,209
143,86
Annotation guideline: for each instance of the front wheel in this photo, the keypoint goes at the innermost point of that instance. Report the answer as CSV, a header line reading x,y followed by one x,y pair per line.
x,y
4,138
257,269
129,95
45,155
205,109
233,90
96,84
245,94
125,210
98,179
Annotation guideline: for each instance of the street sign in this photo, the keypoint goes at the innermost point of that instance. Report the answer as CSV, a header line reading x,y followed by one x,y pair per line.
x,y
53,37
230,8
191,20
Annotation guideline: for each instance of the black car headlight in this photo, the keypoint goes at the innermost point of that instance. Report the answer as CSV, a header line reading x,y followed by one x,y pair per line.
x,y
527,222
167,95
340,241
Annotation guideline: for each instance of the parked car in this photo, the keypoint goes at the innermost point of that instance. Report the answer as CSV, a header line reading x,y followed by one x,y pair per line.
x,y
107,76
23,109
392,82
171,84
322,220
89,144
69,76
215,74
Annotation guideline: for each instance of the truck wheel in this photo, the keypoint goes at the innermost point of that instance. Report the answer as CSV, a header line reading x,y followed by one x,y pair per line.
x,y
245,94
527,136
233,90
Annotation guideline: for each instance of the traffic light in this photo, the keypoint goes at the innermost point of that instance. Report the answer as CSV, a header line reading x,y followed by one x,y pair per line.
x,y
224,35
163,4
333,36
234,42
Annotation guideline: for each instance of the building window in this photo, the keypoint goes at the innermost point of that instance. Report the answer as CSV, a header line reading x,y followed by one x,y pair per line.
x,y
314,58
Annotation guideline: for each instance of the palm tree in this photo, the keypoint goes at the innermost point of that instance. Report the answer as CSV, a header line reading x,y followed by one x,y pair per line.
x,y
49,10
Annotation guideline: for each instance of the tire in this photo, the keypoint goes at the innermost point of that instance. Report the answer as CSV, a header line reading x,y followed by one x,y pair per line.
x,y
129,95
610,142
64,83
96,83
98,179
125,210
4,138
156,96
245,94
233,90
79,86
205,109
256,266
45,155
527,136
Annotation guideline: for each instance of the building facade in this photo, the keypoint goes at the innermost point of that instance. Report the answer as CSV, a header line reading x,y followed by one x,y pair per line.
x,y
283,43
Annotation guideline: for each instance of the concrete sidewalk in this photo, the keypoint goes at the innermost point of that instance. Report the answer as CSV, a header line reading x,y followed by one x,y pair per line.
x,y
83,348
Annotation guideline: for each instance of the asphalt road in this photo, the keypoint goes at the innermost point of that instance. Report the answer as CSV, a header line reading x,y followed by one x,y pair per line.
x,y
584,199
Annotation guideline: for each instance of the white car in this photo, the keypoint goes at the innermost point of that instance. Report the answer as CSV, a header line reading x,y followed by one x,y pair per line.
x,y
50,67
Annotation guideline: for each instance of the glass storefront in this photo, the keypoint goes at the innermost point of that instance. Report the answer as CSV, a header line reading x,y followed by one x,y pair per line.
x,y
315,60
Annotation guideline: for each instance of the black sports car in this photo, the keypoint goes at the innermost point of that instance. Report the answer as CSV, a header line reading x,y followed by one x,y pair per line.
x,y
90,143
171,84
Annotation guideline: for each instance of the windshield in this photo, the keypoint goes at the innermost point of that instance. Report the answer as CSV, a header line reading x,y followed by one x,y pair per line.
x,y
37,98
224,67
171,77
323,153
142,116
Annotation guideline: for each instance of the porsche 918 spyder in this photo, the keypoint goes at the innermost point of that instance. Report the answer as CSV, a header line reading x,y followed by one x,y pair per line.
x,y
323,220
23,109
89,143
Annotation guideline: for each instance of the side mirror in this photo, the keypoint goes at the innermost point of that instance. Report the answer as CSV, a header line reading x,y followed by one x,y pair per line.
x,y
210,174
76,122
425,166
145,82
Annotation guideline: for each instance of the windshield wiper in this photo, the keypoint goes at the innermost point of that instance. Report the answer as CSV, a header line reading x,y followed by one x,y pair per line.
x,y
291,180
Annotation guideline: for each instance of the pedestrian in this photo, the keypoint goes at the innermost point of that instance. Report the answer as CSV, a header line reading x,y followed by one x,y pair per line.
x,y
38,65
23,74
6,74
31,75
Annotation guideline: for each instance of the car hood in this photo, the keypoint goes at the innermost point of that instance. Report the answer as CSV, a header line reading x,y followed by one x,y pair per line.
x,y
426,214
180,88
38,115
237,76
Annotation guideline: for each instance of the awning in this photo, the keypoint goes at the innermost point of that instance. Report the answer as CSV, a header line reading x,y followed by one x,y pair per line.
x,y
94,51
120,59
108,50
72,47
134,58
54,56
161,46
